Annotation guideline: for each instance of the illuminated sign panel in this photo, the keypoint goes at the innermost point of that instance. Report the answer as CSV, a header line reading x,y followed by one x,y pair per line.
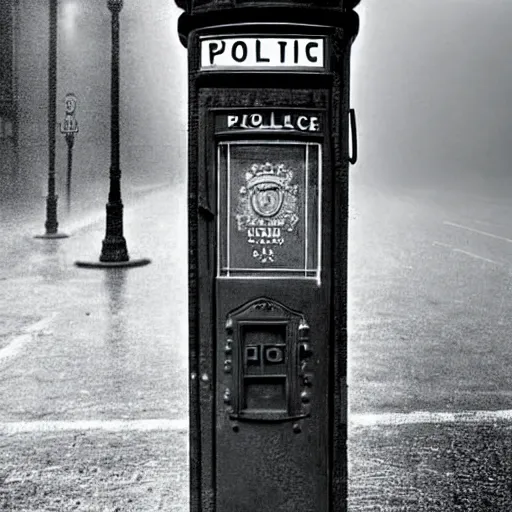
x,y
262,52
269,208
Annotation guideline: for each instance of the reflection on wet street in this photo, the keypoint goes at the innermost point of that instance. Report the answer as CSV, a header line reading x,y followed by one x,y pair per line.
x,y
114,340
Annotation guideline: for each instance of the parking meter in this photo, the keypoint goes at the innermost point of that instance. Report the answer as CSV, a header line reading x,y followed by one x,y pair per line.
x,y
269,153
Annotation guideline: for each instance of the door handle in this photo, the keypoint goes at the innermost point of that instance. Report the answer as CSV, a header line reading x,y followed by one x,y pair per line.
x,y
353,132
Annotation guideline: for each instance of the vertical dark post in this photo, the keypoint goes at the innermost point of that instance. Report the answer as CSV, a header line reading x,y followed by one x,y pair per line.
x,y
51,223
114,245
51,201
70,140
114,252
69,128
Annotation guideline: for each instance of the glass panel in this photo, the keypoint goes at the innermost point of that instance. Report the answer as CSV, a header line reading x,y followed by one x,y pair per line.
x,y
269,197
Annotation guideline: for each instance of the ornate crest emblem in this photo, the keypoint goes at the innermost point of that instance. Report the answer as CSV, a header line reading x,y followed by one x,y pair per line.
x,y
267,199
267,207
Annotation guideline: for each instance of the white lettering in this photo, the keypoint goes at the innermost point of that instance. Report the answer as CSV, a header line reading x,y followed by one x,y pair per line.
x,y
273,121
288,122
232,120
270,235
300,119
256,120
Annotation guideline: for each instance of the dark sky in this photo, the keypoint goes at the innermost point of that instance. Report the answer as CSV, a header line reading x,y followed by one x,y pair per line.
x,y
432,86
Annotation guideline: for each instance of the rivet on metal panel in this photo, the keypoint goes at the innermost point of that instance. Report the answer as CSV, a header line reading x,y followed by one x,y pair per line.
x,y
296,428
193,376
205,377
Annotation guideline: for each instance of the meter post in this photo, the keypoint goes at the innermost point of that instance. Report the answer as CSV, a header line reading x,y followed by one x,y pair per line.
x,y
69,127
70,141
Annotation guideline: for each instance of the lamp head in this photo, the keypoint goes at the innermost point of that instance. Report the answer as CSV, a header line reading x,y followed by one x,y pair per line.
x,y
115,5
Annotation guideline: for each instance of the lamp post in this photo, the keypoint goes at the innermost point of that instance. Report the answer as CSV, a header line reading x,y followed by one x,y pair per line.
x,y
51,223
114,252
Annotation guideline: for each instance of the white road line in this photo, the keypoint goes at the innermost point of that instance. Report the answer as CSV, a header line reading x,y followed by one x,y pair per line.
x,y
475,256
448,223
368,420
467,253
17,343
22,427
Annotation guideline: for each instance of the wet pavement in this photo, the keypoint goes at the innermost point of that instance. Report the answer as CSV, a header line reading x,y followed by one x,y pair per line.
x,y
429,300
93,344
431,468
93,363
430,387
94,471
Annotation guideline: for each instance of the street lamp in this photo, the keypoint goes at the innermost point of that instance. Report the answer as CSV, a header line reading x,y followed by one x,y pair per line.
x,y
51,223
114,252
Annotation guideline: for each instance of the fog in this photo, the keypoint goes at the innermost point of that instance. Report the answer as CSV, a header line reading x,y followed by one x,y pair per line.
x,y
431,84
153,99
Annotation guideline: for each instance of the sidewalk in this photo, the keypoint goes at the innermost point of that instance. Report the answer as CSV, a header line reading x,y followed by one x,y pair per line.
x,y
93,367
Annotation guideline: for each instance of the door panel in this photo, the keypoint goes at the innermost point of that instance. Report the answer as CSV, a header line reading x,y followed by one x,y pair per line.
x,y
272,327
271,426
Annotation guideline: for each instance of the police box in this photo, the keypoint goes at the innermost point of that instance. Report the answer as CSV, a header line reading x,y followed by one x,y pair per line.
x,y
268,201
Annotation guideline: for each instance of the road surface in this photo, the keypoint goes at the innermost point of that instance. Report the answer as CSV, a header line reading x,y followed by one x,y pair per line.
x,y
93,365
429,350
